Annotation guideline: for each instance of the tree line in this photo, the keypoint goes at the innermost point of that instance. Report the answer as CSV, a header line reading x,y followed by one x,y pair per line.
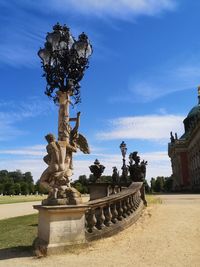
x,y
18,183
161,184
158,184
81,184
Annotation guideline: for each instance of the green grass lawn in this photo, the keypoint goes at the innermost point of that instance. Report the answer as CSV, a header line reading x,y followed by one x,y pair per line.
x,y
21,231
151,199
18,199
18,231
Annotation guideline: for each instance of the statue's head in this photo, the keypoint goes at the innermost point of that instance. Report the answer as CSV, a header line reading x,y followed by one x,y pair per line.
x,y
50,138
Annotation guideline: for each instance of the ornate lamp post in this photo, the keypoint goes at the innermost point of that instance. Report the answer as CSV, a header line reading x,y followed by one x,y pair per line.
x,y
124,168
64,61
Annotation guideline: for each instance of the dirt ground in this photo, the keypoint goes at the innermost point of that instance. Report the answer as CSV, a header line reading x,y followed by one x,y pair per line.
x,y
17,209
167,234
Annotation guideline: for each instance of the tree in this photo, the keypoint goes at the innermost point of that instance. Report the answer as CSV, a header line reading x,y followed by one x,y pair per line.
x,y
159,184
168,184
146,186
9,188
31,188
3,176
106,179
38,188
1,188
24,188
17,188
81,188
81,184
83,180
152,182
27,177
16,176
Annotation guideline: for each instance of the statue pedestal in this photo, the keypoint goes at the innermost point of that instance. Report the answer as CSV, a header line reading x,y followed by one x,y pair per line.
x,y
99,190
59,227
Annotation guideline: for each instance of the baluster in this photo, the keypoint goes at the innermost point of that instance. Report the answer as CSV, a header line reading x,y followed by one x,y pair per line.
x,y
131,204
100,218
124,207
114,213
134,202
128,206
91,220
119,210
137,201
108,215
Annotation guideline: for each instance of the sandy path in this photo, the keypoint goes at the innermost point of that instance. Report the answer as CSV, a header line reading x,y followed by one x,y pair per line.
x,y
20,209
166,235
17,209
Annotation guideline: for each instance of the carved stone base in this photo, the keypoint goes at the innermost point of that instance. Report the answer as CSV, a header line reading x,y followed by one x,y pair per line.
x,y
71,197
99,190
59,227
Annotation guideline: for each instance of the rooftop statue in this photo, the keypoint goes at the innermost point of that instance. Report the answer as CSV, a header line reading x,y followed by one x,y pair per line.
x,y
172,138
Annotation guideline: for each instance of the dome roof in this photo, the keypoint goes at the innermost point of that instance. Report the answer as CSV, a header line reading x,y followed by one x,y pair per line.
x,y
194,111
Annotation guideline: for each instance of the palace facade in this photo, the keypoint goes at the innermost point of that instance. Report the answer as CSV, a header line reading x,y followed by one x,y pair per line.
x,y
185,153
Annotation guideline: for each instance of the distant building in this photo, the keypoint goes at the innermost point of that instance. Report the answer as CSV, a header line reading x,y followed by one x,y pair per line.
x,y
185,153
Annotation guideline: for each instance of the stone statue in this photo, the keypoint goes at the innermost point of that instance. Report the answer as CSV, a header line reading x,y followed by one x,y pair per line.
x,y
138,172
172,138
115,176
56,178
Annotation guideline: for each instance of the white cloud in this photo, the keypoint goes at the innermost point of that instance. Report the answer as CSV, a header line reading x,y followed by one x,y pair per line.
x,y
158,164
149,127
120,9
33,151
11,113
160,82
165,82
30,159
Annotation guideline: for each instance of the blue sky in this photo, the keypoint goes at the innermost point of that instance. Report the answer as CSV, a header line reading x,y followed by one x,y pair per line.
x,y
140,85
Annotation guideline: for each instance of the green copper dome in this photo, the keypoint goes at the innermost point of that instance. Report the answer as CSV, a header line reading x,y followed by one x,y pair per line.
x,y
192,117
194,111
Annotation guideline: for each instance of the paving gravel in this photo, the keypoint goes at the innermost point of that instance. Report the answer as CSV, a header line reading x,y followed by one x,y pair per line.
x,y
166,235
17,209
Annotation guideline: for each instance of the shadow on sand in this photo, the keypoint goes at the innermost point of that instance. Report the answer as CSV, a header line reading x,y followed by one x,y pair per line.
x,y
16,252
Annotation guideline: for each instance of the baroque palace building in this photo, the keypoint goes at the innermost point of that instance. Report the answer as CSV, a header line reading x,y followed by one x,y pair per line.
x,y
185,153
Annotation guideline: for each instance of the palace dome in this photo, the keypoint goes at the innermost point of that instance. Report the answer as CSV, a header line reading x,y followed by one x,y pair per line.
x,y
194,111
193,116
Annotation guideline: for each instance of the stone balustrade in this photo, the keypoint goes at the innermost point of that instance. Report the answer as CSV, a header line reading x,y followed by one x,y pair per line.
x,y
61,226
108,215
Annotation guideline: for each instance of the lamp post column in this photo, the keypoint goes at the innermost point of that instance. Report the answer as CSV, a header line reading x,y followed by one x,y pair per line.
x,y
63,117
124,168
